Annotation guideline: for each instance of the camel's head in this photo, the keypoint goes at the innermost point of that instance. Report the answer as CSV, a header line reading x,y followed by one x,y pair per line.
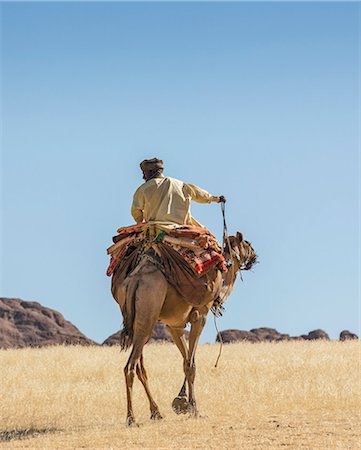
x,y
243,251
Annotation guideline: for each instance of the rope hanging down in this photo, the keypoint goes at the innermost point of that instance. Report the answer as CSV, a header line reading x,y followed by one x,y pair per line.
x,y
220,341
225,241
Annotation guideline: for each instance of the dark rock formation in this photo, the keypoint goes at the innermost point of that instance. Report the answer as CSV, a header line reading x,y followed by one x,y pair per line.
x,y
270,334
316,334
229,336
29,324
346,335
160,333
255,335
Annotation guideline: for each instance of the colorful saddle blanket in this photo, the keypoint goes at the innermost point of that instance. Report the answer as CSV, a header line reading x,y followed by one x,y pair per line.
x,y
190,257
197,246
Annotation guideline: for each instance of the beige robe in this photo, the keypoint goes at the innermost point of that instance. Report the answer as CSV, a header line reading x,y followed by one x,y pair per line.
x,y
165,199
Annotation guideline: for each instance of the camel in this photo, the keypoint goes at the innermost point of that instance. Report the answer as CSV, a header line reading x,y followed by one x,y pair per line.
x,y
146,297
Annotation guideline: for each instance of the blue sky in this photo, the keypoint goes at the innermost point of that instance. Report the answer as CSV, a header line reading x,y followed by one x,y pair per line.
x,y
259,102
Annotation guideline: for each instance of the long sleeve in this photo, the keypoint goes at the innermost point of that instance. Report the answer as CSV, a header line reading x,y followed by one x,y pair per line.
x,y
138,206
198,195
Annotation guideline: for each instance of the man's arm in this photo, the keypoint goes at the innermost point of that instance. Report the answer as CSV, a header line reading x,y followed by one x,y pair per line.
x,y
200,195
138,206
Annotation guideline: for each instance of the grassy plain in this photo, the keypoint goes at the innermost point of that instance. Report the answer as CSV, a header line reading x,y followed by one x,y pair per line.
x,y
290,395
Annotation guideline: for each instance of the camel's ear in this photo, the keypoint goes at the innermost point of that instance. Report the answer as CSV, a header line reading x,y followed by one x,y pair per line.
x,y
239,236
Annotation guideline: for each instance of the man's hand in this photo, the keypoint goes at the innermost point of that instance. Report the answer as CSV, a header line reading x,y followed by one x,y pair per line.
x,y
222,199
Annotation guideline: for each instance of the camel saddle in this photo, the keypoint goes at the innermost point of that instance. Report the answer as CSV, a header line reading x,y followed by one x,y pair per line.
x,y
189,257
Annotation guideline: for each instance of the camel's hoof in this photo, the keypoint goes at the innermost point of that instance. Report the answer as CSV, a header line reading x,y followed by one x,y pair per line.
x,y
194,414
156,415
192,410
180,405
131,422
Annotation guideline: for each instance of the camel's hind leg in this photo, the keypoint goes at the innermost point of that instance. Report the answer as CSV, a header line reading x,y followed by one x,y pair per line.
x,y
149,298
142,375
129,372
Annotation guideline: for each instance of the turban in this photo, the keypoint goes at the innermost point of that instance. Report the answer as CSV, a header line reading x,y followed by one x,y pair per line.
x,y
151,164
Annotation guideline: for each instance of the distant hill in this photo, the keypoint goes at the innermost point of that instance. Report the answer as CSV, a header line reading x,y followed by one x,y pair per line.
x,y
272,335
29,324
160,333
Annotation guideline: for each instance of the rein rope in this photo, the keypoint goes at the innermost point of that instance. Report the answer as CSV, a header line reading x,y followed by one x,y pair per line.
x,y
225,230
226,243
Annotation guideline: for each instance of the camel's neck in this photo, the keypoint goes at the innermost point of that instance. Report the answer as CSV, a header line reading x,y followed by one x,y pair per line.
x,y
229,277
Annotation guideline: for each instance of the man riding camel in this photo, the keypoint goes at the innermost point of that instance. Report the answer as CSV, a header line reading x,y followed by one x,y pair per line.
x,y
165,199
169,268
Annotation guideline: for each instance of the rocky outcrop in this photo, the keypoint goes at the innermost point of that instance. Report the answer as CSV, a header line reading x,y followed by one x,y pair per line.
x,y
316,334
268,335
160,333
255,335
346,335
29,324
229,336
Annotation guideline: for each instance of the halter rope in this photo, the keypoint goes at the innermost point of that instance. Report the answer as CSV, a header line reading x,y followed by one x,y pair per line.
x,y
225,242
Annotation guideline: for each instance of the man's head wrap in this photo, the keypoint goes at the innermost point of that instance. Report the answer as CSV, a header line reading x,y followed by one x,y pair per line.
x,y
152,165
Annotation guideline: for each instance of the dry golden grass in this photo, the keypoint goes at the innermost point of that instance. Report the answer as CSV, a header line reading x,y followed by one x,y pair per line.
x,y
262,396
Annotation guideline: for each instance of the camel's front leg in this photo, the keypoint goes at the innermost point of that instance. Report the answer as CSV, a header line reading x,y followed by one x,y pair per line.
x,y
180,403
198,319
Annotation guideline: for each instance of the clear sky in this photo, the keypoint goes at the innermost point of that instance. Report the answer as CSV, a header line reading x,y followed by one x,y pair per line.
x,y
258,102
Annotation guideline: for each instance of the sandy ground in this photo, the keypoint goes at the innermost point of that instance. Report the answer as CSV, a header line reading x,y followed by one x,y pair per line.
x,y
296,395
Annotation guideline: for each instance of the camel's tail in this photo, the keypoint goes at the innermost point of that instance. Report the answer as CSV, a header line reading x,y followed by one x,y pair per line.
x,y
126,335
